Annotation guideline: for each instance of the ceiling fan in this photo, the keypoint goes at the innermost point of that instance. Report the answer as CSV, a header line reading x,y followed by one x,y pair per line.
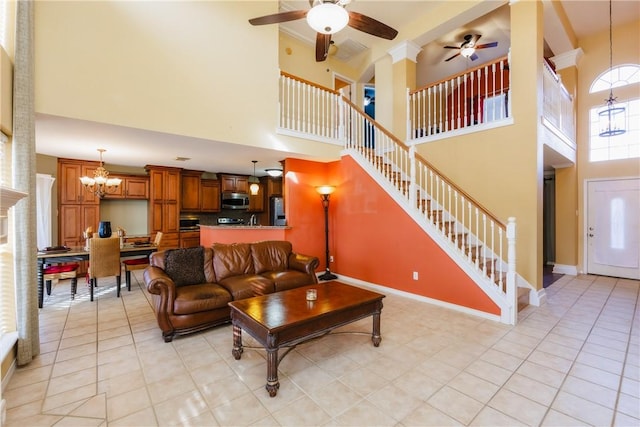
x,y
327,17
469,46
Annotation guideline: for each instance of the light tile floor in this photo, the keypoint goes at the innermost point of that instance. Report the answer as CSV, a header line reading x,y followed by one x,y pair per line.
x,y
573,361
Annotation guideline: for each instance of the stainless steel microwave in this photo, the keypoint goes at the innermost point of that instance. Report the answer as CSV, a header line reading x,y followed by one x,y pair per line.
x,y
235,201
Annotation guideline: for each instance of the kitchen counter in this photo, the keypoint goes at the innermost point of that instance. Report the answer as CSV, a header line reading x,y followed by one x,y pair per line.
x,y
210,234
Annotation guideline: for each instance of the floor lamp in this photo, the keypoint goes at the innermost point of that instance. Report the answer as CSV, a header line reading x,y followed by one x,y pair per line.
x,y
325,191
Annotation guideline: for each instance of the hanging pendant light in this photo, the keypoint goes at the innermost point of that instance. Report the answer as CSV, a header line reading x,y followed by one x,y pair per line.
x,y
254,187
612,118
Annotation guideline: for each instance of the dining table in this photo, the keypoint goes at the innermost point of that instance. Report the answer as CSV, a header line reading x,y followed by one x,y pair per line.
x,y
81,253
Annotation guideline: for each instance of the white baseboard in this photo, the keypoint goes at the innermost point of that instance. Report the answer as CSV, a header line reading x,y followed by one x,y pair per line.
x,y
381,288
571,270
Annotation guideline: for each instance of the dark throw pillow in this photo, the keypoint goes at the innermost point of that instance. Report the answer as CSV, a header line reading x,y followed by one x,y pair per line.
x,y
185,266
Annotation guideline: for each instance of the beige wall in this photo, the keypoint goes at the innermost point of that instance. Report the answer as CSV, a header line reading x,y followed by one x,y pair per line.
x,y
133,64
626,50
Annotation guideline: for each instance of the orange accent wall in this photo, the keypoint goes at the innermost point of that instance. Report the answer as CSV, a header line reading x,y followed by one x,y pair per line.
x,y
371,237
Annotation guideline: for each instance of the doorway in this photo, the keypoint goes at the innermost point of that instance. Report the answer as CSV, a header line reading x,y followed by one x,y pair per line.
x,y
612,224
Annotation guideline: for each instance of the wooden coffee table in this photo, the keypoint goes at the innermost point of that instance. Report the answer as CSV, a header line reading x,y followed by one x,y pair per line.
x,y
285,319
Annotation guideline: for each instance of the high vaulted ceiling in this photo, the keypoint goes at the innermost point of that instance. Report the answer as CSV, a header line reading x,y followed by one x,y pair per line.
x,y
59,137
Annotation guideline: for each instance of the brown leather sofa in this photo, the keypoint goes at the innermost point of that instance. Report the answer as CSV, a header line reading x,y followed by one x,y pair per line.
x,y
191,287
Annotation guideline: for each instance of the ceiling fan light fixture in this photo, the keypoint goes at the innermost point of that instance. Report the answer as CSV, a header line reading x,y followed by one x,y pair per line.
x,y
274,172
327,18
467,52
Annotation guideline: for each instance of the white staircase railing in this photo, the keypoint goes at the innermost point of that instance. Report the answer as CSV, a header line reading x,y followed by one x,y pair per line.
x,y
479,241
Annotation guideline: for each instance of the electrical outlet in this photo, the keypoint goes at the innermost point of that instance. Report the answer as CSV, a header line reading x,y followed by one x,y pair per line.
x,y
330,258
415,275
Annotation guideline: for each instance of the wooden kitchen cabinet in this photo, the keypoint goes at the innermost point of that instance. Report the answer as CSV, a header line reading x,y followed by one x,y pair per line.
x,y
189,239
210,195
132,187
70,189
273,186
164,205
234,183
78,209
256,203
191,194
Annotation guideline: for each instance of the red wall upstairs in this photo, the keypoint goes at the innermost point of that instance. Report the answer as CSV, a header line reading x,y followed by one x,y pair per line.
x,y
371,238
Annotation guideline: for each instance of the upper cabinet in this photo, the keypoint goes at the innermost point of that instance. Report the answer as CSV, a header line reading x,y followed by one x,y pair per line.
x,y
210,195
199,195
190,190
71,189
256,202
234,183
132,187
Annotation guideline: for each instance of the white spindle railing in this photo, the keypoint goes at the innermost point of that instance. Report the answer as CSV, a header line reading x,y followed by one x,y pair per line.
x,y
309,109
472,230
557,104
473,98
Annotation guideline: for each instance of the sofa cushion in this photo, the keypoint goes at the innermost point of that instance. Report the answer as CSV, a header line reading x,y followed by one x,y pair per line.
x,y
271,255
289,279
185,266
247,286
202,297
232,260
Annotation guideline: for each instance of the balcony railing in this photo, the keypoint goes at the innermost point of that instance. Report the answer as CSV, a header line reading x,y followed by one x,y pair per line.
x,y
557,104
472,99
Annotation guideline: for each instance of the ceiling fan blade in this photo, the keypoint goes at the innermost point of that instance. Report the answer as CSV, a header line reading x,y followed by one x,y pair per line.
x,y
323,41
276,18
451,47
451,57
486,45
371,26
473,57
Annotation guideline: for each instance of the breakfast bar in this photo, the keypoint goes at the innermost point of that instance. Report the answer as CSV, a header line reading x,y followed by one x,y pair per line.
x,y
210,234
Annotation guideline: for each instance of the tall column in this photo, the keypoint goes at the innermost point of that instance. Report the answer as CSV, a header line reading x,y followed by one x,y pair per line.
x,y
24,179
404,59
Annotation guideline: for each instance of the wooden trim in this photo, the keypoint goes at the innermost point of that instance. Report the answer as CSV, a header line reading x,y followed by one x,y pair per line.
x,y
307,82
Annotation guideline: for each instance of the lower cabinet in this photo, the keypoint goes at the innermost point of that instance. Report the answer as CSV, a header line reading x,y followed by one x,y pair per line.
x,y
189,239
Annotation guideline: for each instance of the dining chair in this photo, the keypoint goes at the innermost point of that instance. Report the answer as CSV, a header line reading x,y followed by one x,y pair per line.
x,y
61,272
104,261
138,263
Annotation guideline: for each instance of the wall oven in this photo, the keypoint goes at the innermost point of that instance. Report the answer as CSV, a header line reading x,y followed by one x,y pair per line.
x,y
189,223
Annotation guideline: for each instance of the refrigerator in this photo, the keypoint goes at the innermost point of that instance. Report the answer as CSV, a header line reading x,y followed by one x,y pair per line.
x,y
276,211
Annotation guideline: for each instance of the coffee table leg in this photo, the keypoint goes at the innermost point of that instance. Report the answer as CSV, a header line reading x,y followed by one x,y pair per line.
x,y
375,336
237,342
272,372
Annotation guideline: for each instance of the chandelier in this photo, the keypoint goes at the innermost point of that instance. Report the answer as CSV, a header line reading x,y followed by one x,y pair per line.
x,y
100,184
612,118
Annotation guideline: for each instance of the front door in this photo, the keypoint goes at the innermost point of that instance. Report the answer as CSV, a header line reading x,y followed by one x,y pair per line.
x,y
613,228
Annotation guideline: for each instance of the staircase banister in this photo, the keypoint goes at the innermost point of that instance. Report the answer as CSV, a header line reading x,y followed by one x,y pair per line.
x,y
307,82
461,191
377,125
454,76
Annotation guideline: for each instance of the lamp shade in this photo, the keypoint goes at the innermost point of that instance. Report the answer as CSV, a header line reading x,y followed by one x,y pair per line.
x,y
327,18
325,189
